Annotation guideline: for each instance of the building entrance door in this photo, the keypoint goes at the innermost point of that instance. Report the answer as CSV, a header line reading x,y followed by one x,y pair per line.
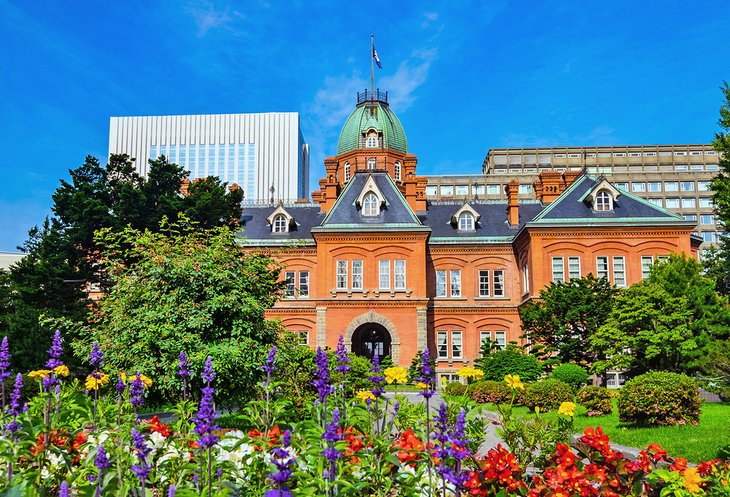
x,y
370,339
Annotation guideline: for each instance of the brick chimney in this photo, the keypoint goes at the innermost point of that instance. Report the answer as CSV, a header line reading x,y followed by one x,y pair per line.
x,y
411,186
548,186
513,203
570,176
329,186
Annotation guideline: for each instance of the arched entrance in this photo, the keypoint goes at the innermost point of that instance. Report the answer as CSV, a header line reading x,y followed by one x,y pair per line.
x,y
371,338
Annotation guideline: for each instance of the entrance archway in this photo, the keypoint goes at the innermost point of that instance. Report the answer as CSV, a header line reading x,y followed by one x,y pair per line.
x,y
370,339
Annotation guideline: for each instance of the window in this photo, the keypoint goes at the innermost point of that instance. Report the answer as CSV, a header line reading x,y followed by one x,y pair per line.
x,y
602,267
484,336
619,154
525,189
706,202
399,268
707,219
347,172
478,189
603,201
370,205
397,171
456,345
384,275
573,267
501,338
441,283
484,283
462,190
671,186
619,271
303,337
304,283
710,152
456,351
654,186
634,154
558,270
493,189
708,236
498,283
431,191
638,187
280,224
703,186
622,186
650,154
646,263
447,190
690,217
290,284
687,186
357,281
525,278
371,163
466,221
342,275
656,201
372,142
712,167
680,153
671,203
689,203
455,286
442,344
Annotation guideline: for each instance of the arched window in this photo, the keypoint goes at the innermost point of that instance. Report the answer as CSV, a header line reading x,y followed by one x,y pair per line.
x,y
371,163
372,142
397,171
280,224
347,172
604,202
370,205
466,221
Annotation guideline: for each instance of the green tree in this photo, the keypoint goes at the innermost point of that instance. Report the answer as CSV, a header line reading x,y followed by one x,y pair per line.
x,y
566,315
718,262
188,290
210,205
513,361
664,322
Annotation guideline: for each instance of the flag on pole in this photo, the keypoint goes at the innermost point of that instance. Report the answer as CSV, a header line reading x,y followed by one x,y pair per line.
x,y
377,59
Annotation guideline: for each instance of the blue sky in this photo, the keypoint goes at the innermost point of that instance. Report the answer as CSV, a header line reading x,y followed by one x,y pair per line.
x,y
463,76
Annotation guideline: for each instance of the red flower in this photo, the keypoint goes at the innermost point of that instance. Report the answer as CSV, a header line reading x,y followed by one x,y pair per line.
x,y
157,426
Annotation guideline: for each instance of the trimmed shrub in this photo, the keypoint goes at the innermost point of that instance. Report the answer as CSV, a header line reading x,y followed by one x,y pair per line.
x,y
659,398
511,361
548,394
596,400
572,374
496,392
454,388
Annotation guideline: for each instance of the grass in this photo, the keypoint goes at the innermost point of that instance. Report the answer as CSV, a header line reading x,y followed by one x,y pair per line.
x,y
694,443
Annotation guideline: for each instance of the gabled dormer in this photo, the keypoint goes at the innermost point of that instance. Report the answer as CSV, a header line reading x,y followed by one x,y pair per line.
x,y
370,200
602,197
281,221
465,219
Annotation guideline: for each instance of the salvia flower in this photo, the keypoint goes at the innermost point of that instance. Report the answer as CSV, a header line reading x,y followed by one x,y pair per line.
x,y
183,366
55,351
204,420
63,489
376,377
136,391
96,358
121,386
142,469
171,491
322,375
343,360
15,409
426,378
4,360
269,365
282,459
331,436
101,461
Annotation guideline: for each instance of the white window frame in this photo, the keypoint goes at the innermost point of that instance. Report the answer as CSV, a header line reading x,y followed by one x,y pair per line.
x,y
483,282
441,283
372,162
303,284
290,279
574,270
442,344
484,335
646,262
341,274
455,283
619,271
638,187
525,278
357,275
500,336
370,205
602,267
603,202
280,224
687,186
399,274
671,186
397,171
384,274
347,172
558,270
466,221
498,283
371,142
457,345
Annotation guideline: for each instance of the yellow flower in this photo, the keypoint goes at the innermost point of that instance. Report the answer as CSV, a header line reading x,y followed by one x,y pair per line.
x,y
61,370
470,372
513,381
364,395
93,383
537,409
692,480
39,374
422,386
397,374
147,382
567,408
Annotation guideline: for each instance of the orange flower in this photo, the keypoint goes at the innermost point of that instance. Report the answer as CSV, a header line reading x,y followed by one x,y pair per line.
x,y
157,426
692,480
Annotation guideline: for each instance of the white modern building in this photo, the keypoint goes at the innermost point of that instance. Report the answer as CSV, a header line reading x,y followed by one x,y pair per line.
x,y
265,154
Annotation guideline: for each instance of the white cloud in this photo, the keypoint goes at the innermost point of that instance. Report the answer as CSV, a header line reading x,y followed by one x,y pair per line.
x,y
207,17
409,76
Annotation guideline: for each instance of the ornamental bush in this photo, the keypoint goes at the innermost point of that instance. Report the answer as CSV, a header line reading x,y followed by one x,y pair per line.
x,y
572,374
511,361
496,392
596,400
455,388
660,398
548,394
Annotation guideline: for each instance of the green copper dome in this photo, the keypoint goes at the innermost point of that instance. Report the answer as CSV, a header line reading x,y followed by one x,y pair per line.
x,y
372,112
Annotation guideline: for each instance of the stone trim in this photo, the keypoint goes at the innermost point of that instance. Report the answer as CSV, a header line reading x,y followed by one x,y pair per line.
x,y
374,317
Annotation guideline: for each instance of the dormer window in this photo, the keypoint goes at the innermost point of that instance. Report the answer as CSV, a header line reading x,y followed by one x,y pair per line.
x,y
371,163
370,205
280,224
466,221
603,202
347,172
372,142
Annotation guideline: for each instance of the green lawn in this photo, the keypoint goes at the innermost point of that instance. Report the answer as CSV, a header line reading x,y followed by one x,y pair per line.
x,y
695,443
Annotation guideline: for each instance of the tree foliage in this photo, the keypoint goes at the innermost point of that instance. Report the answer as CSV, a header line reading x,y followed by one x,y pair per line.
x,y
664,322
510,361
566,315
187,290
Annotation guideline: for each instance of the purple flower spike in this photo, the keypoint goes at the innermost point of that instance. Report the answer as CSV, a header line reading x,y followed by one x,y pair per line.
x,y
143,450
121,387
269,365
322,380
101,461
331,453
96,358
426,375
377,377
204,420
343,360
183,366
208,373
63,490
55,352
136,391
171,491
4,360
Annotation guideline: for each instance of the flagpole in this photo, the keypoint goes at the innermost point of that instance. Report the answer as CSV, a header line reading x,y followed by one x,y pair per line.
x,y
372,66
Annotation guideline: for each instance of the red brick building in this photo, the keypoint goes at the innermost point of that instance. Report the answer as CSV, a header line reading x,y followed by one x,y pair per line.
x,y
373,261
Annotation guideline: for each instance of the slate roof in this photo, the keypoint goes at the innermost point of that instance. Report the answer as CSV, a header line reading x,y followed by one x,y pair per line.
x,y
257,231
570,208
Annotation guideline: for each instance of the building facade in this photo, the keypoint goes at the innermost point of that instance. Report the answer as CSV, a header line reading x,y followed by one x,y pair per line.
x,y
374,261
676,177
265,154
